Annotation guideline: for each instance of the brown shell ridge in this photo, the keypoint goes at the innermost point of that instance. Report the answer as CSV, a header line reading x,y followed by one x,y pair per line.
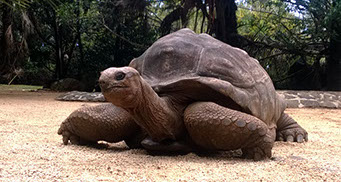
x,y
200,57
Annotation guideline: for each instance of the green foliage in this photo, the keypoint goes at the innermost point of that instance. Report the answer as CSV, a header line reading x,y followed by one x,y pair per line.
x,y
23,3
91,35
16,3
79,38
269,24
333,19
282,33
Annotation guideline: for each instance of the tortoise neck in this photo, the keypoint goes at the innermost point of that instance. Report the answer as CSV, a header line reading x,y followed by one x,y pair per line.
x,y
157,115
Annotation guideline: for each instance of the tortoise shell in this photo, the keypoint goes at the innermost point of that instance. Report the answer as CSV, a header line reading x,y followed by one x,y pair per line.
x,y
199,67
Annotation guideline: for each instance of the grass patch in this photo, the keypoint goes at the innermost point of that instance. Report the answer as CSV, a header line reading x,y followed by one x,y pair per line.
x,y
20,87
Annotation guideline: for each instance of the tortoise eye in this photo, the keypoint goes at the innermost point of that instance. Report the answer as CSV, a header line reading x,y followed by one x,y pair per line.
x,y
120,76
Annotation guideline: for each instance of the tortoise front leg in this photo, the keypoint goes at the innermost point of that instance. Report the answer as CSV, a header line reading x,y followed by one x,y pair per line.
x,y
289,130
214,127
105,122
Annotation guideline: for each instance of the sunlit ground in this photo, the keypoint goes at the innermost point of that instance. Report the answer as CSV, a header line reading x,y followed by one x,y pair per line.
x,y
20,87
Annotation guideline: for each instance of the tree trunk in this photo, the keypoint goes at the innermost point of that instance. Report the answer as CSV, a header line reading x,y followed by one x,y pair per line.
x,y
117,47
80,44
334,65
4,39
179,13
226,22
58,46
334,60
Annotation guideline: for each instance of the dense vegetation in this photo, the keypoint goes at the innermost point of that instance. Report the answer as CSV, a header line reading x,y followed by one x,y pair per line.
x,y
297,41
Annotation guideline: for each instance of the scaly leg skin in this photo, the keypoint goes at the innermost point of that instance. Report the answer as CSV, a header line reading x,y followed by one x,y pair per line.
x,y
289,130
105,122
214,127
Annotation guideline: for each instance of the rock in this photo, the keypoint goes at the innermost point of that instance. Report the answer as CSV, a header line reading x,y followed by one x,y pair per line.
x,y
82,96
328,104
67,84
292,103
310,103
311,99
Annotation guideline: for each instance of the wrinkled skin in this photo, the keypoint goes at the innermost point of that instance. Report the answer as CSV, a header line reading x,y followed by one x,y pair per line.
x,y
182,105
154,114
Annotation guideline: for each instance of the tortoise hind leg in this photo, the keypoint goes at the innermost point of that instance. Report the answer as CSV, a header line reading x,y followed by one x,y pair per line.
x,y
289,130
214,127
105,122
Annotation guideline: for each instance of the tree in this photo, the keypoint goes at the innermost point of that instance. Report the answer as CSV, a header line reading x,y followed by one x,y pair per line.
x,y
293,48
297,42
334,59
13,44
324,25
218,18
226,22
82,37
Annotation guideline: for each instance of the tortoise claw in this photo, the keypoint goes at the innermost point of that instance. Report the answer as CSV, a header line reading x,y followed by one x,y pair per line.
x,y
290,138
289,130
66,136
298,135
299,138
69,136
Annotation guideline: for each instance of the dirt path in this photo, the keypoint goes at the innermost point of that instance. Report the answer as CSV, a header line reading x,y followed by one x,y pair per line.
x,y
30,150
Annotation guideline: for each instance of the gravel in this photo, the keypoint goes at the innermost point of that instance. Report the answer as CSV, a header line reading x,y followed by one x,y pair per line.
x,y
31,150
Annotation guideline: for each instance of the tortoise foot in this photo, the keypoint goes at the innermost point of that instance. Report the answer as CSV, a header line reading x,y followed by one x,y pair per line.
x,y
292,135
289,130
260,152
74,139
256,154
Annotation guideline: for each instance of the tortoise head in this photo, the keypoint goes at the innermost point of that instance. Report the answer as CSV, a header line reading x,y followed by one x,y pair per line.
x,y
121,86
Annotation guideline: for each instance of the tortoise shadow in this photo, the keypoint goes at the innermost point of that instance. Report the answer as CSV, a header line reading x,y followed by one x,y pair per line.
x,y
211,155
232,156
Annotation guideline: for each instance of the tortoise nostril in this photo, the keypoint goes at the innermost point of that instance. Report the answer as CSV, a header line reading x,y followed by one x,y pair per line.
x,y
101,82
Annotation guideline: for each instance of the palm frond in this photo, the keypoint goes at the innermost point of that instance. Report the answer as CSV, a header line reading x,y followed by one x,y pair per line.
x,y
25,3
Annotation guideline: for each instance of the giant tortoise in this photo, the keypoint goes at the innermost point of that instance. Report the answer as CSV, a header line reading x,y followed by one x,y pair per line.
x,y
187,91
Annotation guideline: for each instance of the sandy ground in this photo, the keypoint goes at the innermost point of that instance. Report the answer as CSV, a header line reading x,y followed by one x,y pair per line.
x,y
31,150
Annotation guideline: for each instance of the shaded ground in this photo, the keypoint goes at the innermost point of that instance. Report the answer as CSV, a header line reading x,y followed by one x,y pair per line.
x,y
30,150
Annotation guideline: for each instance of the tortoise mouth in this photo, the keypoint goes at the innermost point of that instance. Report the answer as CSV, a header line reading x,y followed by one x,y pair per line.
x,y
118,86
112,88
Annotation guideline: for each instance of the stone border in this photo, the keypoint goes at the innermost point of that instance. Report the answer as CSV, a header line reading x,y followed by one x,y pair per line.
x,y
311,99
82,96
295,99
